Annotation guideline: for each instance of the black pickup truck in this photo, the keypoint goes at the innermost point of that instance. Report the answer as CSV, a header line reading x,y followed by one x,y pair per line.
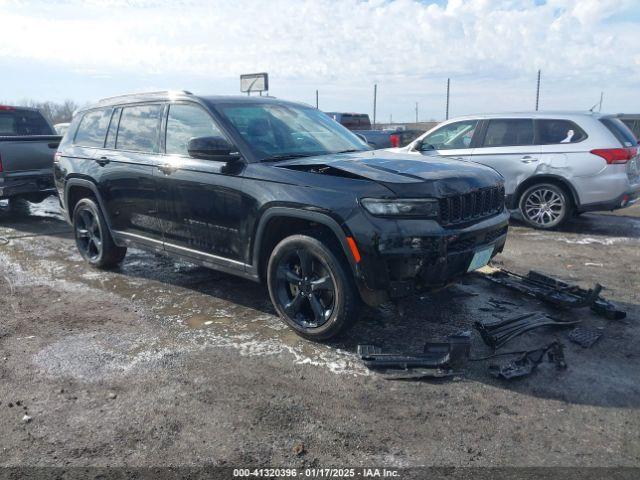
x,y
27,145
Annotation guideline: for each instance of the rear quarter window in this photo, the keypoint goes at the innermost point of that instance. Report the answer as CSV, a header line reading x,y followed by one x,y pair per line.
x,y
23,122
558,131
620,131
93,128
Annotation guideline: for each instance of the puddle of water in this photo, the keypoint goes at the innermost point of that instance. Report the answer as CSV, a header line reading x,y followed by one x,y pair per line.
x,y
596,240
202,321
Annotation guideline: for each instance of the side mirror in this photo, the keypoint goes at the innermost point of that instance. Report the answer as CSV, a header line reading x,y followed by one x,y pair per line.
x,y
418,146
212,148
361,137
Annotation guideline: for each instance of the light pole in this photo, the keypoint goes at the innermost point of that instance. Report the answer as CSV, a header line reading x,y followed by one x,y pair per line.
x,y
375,98
446,117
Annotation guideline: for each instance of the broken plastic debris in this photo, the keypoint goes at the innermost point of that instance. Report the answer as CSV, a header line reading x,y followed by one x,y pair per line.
x,y
584,337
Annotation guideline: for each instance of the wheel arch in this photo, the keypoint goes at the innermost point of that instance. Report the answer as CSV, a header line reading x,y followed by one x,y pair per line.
x,y
272,228
73,193
546,178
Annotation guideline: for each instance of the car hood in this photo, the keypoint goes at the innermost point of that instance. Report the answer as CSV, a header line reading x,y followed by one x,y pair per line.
x,y
404,174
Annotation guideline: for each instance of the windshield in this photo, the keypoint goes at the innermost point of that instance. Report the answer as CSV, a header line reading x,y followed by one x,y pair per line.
x,y
284,131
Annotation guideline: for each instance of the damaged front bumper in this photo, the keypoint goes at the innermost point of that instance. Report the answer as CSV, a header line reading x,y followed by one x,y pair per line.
x,y
419,255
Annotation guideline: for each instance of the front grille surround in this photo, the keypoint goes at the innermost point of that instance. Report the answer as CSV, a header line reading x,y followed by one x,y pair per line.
x,y
479,204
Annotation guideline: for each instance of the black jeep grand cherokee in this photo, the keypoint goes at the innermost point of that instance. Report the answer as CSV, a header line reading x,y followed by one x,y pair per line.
x,y
275,191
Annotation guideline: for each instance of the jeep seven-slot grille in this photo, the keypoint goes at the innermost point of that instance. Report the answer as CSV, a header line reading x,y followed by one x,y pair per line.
x,y
471,206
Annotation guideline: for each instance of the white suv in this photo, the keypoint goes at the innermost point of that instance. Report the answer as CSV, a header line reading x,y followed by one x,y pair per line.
x,y
555,164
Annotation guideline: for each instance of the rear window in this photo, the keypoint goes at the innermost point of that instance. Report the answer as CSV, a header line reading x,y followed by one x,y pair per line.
x,y
355,122
93,128
139,128
23,122
620,131
509,132
559,131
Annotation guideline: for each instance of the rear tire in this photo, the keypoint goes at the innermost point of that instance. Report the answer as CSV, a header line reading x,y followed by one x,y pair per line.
x,y
93,237
311,287
545,206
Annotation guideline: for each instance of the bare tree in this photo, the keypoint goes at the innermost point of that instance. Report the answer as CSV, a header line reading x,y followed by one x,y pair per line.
x,y
53,111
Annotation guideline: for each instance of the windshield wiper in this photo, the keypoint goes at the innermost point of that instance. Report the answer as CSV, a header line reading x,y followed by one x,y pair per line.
x,y
351,150
287,156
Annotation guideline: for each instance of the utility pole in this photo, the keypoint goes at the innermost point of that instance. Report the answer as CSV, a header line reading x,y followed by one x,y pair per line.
x,y
316,98
375,99
416,112
538,91
448,86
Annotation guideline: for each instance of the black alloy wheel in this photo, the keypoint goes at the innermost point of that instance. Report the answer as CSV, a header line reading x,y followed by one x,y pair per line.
x,y
93,237
312,287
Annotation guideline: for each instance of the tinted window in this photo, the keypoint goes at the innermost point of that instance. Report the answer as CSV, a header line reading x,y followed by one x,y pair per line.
x,y
355,122
113,129
509,132
23,122
634,126
452,136
139,127
186,122
620,131
559,131
93,128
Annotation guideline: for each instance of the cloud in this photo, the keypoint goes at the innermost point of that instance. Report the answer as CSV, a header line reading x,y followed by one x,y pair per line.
x,y
337,42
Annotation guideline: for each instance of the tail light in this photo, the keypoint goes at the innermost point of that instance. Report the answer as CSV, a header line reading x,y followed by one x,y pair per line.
x,y
616,155
395,140
6,108
56,157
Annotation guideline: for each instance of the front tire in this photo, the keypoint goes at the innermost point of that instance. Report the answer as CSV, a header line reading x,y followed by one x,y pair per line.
x,y
545,206
311,287
92,235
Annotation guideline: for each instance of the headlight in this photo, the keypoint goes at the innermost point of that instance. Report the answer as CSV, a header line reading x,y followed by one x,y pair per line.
x,y
413,207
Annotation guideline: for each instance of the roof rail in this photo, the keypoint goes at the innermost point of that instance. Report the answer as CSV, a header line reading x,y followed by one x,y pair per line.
x,y
159,92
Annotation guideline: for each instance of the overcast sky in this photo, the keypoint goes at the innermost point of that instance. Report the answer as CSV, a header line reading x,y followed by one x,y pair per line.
x,y
491,50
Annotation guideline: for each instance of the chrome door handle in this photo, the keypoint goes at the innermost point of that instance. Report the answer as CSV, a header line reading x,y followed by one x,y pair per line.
x,y
102,161
167,168
528,159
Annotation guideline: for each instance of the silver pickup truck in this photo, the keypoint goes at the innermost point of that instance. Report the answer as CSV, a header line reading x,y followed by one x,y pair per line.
x,y
27,145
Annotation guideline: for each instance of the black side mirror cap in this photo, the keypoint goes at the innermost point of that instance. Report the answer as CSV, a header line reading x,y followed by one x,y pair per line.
x,y
213,148
418,146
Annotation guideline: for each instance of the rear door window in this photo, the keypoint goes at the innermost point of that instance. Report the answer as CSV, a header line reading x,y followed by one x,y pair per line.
x,y
509,132
139,128
185,122
558,131
16,122
93,128
620,131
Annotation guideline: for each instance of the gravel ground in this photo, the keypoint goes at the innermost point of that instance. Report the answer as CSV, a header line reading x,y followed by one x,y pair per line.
x,y
164,363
